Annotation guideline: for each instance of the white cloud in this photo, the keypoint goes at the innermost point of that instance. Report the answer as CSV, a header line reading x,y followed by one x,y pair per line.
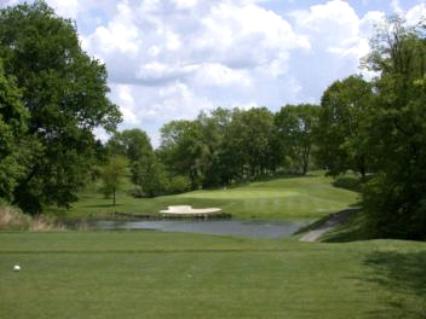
x,y
416,14
66,8
5,3
335,26
246,36
127,104
396,7
169,59
339,38
185,4
120,35
220,75
175,58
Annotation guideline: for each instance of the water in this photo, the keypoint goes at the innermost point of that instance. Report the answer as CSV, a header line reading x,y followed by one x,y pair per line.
x,y
254,229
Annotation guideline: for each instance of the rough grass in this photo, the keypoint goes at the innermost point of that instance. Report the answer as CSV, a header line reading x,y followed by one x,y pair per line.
x,y
12,218
311,196
164,275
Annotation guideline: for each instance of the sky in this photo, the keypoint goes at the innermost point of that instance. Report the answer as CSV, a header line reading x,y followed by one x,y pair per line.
x,y
170,59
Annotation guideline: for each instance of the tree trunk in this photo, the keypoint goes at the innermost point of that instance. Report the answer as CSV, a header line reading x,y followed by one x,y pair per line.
x,y
113,198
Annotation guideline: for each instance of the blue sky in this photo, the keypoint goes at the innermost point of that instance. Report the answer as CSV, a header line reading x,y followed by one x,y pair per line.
x,y
170,59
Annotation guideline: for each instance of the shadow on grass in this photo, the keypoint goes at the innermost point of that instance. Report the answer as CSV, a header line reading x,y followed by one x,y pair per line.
x,y
404,275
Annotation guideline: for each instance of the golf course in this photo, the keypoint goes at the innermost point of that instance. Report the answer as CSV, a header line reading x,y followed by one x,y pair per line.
x,y
306,197
150,274
226,159
165,275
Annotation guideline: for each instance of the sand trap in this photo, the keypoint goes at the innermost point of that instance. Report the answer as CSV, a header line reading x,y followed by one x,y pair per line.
x,y
186,210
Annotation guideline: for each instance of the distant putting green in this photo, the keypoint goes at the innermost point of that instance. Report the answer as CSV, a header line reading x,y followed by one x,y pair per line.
x,y
165,275
311,196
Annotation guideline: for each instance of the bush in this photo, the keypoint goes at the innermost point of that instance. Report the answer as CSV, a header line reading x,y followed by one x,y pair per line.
x,y
179,184
136,192
348,182
394,209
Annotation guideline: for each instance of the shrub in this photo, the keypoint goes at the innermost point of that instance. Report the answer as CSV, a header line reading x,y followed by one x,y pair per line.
x,y
179,184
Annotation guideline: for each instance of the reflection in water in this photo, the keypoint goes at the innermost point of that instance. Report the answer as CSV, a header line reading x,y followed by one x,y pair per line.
x,y
256,229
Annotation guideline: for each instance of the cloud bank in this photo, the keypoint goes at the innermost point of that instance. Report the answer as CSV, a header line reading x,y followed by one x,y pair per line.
x,y
169,59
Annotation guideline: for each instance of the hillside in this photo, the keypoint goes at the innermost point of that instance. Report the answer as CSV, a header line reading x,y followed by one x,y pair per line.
x,y
311,196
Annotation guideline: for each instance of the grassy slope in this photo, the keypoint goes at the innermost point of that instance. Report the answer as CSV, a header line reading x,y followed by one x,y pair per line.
x,y
299,197
163,275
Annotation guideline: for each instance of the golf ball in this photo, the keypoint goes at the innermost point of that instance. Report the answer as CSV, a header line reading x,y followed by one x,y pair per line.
x,y
16,268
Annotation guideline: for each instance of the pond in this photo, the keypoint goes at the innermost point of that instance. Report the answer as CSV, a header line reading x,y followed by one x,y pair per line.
x,y
240,228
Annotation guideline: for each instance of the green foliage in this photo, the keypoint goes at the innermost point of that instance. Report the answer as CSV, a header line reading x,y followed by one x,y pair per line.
x,y
352,183
247,144
342,132
112,177
182,148
295,135
212,164
134,144
231,146
395,198
150,176
64,92
13,145
178,184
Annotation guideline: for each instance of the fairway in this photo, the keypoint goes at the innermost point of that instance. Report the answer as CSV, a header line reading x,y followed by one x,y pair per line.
x,y
158,275
311,196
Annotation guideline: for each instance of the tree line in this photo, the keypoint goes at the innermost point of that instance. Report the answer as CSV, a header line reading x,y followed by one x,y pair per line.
x,y
53,95
219,148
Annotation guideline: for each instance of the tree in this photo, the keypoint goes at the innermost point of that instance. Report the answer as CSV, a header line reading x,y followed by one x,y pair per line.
x,y
247,151
147,173
342,131
181,149
15,147
65,94
134,144
394,199
112,177
213,126
150,176
294,133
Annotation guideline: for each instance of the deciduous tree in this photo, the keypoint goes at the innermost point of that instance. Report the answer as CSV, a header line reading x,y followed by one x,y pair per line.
x,y
65,94
295,134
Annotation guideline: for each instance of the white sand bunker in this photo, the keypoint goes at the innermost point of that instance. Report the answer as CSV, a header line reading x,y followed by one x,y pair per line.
x,y
186,210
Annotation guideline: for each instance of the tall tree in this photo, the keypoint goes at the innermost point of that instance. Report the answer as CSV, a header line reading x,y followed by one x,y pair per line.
x,y
395,199
247,151
213,127
134,144
294,133
342,130
182,148
65,94
150,175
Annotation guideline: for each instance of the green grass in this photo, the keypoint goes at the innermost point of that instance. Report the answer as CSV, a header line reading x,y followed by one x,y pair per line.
x,y
312,196
163,275
354,229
